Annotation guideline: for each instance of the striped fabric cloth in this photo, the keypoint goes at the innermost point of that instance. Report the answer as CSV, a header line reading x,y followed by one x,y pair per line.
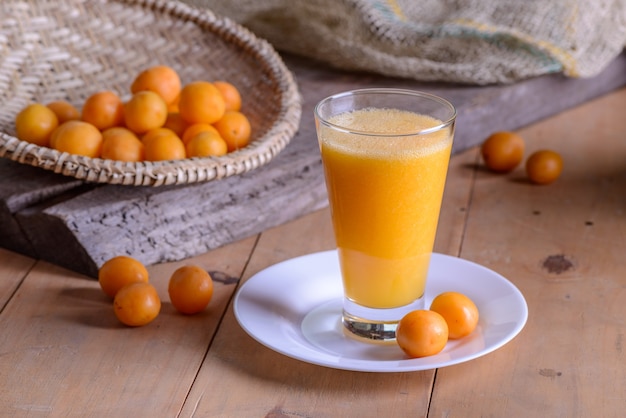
x,y
464,41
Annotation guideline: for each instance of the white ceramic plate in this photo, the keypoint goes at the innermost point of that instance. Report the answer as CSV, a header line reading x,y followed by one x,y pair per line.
x,y
294,307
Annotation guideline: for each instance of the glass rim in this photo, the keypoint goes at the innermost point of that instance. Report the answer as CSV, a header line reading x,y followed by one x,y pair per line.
x,y
406,92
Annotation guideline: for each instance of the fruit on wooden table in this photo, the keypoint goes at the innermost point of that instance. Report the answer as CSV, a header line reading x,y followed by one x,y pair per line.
x,y
136,301
502,151
190,289
120,271
544,166
137,304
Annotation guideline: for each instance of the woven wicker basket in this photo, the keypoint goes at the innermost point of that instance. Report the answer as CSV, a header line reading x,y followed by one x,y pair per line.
x,y
69,49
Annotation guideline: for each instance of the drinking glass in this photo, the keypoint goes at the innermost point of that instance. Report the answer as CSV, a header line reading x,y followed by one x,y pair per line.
x,y
385,154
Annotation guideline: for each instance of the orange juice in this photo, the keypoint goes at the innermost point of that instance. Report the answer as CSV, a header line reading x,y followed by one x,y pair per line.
x,y
385,194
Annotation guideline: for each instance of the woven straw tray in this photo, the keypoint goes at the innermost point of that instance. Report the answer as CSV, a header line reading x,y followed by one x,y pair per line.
x,y
69,49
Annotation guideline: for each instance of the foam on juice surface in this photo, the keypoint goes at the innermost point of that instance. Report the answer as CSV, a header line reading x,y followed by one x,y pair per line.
x,y
384,131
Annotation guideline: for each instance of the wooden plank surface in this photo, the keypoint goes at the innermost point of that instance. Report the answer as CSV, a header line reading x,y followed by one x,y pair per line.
x,y
81,231
563,245
14,268
563,363
63,354
235,359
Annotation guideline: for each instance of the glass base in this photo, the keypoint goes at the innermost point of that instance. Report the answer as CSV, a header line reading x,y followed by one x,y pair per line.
x,y
375,324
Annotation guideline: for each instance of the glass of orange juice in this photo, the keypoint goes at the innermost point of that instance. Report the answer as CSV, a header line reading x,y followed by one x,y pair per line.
x,y
385,154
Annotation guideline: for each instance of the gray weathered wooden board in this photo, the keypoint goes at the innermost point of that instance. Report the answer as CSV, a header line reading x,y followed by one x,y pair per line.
x,y
175,222
79,226
22,186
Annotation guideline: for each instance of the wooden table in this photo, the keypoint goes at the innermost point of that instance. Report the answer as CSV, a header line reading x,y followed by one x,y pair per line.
x,y
63,353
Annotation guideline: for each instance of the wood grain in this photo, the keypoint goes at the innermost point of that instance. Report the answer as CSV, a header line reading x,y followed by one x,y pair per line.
x,y
63,353
563,245
280,386
173,223
80,231
15,268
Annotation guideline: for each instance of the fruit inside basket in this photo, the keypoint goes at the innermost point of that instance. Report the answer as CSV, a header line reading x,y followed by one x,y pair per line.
x,y
71,49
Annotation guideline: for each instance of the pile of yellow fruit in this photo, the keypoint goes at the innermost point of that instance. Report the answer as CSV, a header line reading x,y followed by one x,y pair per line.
x,y
425,332
136,301
503,151
162,120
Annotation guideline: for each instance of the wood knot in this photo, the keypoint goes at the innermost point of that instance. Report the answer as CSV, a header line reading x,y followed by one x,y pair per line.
x,y
557,264
550,373
220,276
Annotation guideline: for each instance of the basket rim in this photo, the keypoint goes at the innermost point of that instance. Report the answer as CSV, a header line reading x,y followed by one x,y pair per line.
x,y
189,170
